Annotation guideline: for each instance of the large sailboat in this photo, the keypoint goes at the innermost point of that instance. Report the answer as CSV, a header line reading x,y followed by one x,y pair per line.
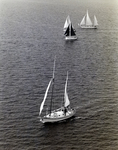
x,y
60,114
70,33
87,23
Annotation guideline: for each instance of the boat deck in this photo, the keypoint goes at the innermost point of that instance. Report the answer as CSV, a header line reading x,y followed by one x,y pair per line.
x,y
58,115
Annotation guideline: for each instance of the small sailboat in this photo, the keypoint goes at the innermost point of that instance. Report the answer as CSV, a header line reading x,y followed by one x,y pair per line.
x,y
70,33
87,23
61,113
67,23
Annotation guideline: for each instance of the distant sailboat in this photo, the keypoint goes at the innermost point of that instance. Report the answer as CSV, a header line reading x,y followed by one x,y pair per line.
x,y
60,114
87,23
67,23
70,33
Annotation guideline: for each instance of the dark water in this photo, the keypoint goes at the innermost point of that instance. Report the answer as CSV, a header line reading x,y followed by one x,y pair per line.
x,y
31,34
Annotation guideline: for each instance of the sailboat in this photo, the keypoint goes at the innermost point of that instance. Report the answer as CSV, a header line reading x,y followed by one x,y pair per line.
x,y
67,23
87,23
60,114
70,33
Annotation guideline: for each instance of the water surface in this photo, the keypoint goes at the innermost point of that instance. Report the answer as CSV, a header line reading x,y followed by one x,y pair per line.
x,y
31,34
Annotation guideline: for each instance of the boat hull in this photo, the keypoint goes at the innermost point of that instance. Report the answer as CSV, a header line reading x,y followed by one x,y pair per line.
x,y
70,38
89,27
57,116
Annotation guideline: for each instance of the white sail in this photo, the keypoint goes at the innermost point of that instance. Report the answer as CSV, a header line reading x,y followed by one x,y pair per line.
x,y
95,21
66,99
45,96
88,20
87,23
67,22
83,21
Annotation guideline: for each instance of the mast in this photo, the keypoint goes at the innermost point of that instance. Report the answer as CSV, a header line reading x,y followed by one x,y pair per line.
x,y
52,85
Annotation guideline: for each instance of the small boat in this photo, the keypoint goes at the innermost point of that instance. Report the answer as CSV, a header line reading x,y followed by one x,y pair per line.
x,y
60,114
67,23
70,33
87,23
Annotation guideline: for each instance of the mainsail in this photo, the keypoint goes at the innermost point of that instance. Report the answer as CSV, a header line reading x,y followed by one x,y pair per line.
x,y
52,85
66,99
45,96
88,20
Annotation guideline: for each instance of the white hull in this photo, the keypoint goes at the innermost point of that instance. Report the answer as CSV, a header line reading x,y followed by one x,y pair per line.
x,y
58,115
89,27
71,38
